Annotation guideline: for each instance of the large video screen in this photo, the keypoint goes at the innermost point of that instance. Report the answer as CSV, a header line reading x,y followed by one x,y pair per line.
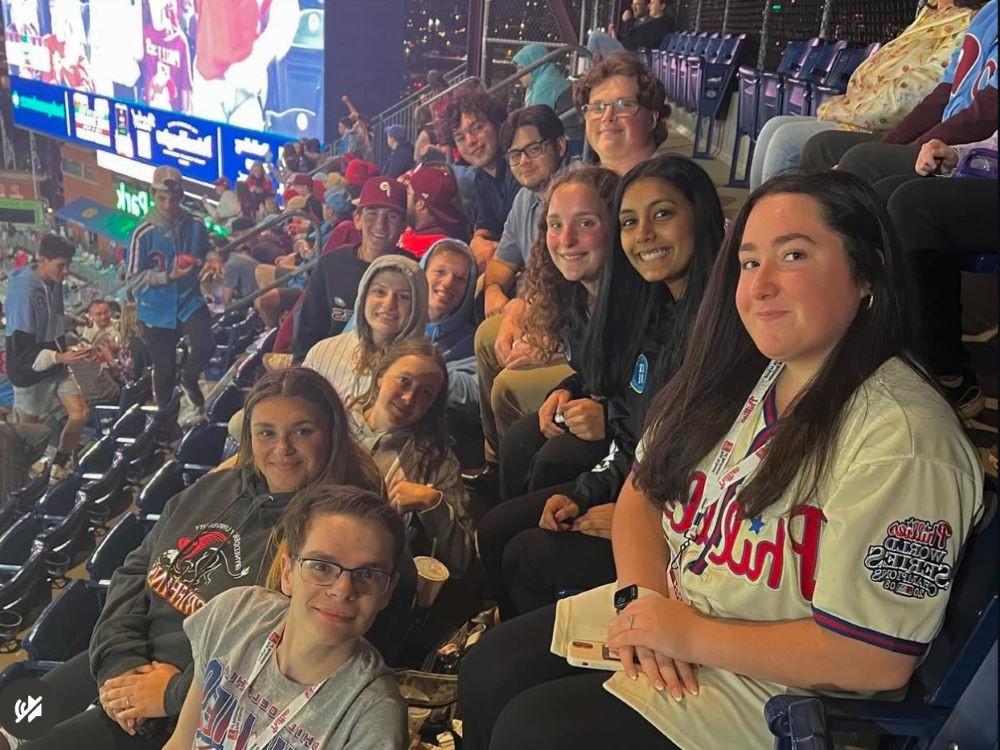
x,y
191,80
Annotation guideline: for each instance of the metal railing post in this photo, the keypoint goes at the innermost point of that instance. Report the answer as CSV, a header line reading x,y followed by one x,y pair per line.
x,y
486,26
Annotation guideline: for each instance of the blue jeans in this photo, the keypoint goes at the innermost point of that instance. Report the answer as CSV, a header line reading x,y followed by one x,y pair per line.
x,y
780,145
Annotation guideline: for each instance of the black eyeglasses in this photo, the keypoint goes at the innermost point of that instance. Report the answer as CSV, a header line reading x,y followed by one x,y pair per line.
x,y
619,107
326,573
532,151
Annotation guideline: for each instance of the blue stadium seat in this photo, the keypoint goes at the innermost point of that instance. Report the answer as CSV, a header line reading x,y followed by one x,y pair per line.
x,y
165,483
799,86
64,627
772,82
682,50
98,458
252,367
944,681
58,501
138,391
700,50
26,591
835,81
230,341
17,542
69,535
228,401
24,499
124,536
712,81
200,449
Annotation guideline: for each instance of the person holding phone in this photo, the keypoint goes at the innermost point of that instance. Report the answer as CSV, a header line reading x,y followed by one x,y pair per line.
x,y
163,259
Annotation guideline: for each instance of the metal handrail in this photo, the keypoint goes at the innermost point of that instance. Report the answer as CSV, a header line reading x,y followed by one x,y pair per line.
x,y
415,96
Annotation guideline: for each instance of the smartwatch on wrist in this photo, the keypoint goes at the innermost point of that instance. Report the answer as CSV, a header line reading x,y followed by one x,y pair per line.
x,y
625,596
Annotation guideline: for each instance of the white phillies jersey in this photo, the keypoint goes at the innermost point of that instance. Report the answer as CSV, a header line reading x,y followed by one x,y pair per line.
x,y
871,558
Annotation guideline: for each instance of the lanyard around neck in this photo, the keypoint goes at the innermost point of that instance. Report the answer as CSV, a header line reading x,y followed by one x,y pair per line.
x,y
262,739
719,479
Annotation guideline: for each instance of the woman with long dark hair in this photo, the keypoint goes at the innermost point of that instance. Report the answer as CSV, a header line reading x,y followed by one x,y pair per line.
x,y
669,227
799,471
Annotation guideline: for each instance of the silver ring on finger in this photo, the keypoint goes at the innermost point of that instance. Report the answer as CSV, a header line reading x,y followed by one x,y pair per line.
x,y
629,621
128,702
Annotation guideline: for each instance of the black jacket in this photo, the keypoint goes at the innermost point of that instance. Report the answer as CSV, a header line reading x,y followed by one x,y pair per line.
x,y
400,161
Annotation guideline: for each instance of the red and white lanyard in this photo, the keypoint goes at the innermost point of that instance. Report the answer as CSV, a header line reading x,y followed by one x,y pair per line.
x,y
262,739
719,479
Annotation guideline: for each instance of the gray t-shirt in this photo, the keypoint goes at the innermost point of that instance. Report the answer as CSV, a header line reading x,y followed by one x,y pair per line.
x,y
240,275
359,707
520,230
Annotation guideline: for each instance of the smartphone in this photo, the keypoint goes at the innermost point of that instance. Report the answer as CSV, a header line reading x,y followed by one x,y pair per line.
x,y
593,655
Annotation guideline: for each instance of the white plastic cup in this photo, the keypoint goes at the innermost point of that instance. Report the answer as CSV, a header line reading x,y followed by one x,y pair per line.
x,y
431,577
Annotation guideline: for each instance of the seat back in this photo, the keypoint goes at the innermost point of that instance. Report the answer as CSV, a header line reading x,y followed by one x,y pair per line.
x,y
16,542
165,483
64,627
970,623
27,592
130,424
26,497
98,457
59,500
71,535
202,444
125,536
228,401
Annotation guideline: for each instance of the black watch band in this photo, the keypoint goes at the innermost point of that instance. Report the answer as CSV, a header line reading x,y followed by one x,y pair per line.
x,y
625,596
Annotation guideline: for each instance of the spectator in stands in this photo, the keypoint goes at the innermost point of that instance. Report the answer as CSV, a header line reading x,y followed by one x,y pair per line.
x,y
815,364
113,351
926,214
333,288
357,172
635,15
338,219
259,183
312,151
880,93
248,206
343,143
391,306
36,352
228,205
644,26
400,158
533,142
433,211
624,110
529,356
163,258
451,271
670,228
962,109
273,303
543,85
213,536
302,185
99,376
402,422
474,119
336,570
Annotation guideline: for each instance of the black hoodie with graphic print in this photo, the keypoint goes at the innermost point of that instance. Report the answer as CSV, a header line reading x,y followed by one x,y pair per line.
x,y
211,537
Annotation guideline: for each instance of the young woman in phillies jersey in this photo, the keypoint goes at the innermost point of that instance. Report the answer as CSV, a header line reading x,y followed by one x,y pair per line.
x,y
794,522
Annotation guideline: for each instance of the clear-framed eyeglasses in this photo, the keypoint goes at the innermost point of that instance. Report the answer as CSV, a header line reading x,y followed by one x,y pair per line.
x,y
326,573
619,108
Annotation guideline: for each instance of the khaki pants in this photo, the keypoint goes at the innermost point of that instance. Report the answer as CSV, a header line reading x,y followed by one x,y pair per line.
x,y
507,395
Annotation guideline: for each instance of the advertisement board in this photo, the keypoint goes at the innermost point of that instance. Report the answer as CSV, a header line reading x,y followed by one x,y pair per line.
x,y
204,85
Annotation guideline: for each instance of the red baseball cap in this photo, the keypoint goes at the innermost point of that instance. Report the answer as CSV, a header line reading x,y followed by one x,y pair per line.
x,y
436,184
381,192
302,179
360,170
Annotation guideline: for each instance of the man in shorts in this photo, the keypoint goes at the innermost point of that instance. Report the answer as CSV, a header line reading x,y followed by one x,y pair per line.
x,y
36,348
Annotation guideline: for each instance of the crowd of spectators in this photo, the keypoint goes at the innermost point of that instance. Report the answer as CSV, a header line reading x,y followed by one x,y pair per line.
x,y
695,437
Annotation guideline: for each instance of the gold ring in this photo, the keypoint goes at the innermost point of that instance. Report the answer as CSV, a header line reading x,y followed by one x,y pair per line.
x,y
128,702
629,619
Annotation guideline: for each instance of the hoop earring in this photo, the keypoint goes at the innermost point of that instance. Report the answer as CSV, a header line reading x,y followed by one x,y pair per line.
x,y
871,301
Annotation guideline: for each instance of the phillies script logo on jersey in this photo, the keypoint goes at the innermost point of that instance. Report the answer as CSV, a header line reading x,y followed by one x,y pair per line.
x,y
911,561
756,555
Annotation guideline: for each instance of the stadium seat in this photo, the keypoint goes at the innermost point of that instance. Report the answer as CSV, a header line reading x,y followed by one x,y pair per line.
x,y
138,391
794,61
64,627
70,535
228,401
944,679
61,498
834,83
16,543
25,498
98,458
705,45
130,424
26,591
799,85
124,536
141,456
200,449
165,483
712,80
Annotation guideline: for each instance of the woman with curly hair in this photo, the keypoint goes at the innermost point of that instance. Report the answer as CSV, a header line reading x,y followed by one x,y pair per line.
x,y
391,306
561,284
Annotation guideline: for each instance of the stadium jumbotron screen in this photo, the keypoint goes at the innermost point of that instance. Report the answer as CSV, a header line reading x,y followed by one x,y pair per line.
x,y
206,85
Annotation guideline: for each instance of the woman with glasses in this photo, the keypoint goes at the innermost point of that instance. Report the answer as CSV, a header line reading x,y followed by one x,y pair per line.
x,y
292,663
624,111
213,536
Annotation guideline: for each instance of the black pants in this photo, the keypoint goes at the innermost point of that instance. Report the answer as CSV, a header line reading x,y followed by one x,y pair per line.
x,y
162,346
514,694
938,219
527,565
529,461
874,162
825,150
75,689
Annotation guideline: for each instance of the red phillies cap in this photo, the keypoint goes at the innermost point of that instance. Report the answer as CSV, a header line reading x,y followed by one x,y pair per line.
x,y
436,185
381,192
302,179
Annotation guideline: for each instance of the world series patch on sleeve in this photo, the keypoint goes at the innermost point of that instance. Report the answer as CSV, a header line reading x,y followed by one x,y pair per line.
x,y
911,560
